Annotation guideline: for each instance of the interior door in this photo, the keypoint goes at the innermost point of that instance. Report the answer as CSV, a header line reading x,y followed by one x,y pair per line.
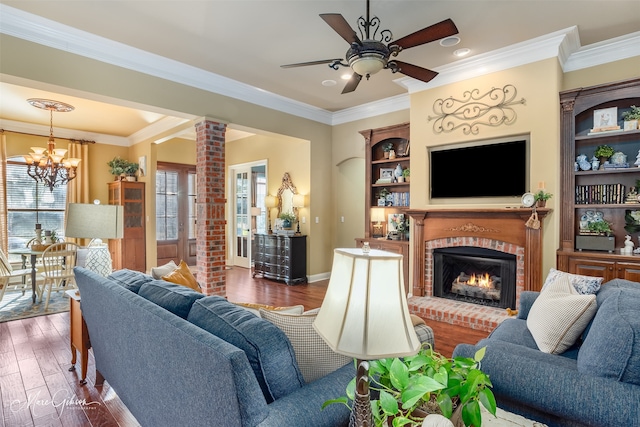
x,y
176,213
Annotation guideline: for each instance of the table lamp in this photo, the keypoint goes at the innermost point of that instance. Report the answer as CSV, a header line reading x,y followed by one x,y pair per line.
x,y
378,219
298,202
365,315
95,221
270,203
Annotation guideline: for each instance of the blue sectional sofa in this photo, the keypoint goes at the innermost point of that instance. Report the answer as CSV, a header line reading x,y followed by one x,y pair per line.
x,y
595,383
177,358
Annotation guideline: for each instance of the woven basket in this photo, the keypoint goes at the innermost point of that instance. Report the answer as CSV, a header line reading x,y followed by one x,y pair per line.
x,y
39,248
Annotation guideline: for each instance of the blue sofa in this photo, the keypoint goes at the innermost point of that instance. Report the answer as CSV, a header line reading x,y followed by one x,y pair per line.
x,y
594,383
175,357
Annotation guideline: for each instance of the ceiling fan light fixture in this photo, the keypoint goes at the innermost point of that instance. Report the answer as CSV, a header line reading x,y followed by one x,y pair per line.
x,y
368,64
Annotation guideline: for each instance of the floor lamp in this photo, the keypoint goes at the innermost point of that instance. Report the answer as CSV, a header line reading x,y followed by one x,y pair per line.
x,y
96,222
365,315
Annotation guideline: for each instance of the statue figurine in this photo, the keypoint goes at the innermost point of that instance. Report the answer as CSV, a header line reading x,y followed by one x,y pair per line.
x,y
632,195
628,245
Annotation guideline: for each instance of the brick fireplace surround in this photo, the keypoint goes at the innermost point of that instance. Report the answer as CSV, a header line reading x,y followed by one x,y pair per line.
x,y
501,229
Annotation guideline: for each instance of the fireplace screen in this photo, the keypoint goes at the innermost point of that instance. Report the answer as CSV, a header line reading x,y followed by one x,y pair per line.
x,y
476,275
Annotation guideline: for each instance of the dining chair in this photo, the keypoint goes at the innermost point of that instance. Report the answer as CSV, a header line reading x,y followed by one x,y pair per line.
x,y
7,272
58,261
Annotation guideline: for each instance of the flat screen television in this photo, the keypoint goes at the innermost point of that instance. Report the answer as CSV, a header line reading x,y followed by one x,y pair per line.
x,y
488,169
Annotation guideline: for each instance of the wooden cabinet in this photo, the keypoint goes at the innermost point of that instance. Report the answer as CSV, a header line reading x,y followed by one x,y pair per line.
x,y
377,165
584,192
281,257
130,251
397,246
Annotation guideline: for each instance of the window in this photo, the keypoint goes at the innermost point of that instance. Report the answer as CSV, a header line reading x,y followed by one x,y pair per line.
x,y
30,202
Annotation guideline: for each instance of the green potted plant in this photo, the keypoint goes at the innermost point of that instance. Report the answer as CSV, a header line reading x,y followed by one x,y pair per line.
x,y
411,388
541,198
603,152
406,173
631,118
386,148
602,228
130,171
117,166
287,219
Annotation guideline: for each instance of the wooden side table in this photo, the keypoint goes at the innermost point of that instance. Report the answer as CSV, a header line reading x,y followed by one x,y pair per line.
x,y
79,335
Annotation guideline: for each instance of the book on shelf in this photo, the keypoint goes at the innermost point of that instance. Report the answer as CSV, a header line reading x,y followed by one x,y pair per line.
x,y
600,194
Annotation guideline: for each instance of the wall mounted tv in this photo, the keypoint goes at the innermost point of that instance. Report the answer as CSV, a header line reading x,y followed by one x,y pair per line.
x,y
480,169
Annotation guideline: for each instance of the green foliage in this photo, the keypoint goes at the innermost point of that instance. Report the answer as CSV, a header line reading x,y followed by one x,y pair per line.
x,y
633,114
287,216
599,227
604,151
387,146
409,383
120,166
406,172
542,195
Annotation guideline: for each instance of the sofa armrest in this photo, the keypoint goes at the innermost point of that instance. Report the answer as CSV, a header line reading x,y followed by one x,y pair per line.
x,y
526,301
304,406
552,386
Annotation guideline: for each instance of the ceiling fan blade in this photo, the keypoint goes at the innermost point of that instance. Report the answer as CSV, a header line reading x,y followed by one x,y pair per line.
x,y
304,64
437,31
352,84
415,71
341,26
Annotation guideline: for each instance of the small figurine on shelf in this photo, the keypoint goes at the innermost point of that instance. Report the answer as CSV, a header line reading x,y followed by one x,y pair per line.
x,y
637,163
628,246
632,196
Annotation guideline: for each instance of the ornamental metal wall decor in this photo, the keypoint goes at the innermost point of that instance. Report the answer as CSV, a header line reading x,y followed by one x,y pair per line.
x,y
493,109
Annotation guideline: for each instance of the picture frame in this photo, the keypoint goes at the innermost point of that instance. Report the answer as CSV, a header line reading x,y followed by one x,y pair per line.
x,y
403,148
631,125
142,165
386,173
394,219
605,118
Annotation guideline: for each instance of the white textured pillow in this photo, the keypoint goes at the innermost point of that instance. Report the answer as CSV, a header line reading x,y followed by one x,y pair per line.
x,y
585,285
559,315
163,270
315,358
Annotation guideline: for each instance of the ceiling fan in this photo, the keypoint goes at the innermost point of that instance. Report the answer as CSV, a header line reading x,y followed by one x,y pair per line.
x,y
369,54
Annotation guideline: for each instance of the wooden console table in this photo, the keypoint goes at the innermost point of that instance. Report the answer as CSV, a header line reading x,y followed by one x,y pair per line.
x,y
79,335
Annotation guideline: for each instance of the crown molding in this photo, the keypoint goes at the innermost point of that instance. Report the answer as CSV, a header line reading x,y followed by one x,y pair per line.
x,y
14,126
563,44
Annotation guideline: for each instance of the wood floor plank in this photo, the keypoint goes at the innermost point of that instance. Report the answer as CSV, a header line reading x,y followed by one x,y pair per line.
x,y
31,375
71,411
14,401
8,363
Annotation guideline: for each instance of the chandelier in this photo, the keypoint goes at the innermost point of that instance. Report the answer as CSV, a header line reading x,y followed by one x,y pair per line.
x,y
48,165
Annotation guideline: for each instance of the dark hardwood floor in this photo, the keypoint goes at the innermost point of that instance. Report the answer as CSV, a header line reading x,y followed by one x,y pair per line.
x,y
37,388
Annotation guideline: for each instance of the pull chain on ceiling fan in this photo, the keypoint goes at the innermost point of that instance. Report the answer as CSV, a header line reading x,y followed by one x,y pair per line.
x,y
367,57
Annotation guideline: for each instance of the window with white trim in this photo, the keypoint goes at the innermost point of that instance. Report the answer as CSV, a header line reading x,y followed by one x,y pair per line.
x,y
29,202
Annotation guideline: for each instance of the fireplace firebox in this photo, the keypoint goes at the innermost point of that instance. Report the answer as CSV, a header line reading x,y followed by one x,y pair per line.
x,y
476,275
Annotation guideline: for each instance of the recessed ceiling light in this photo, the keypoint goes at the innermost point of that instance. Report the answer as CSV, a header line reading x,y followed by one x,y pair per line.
x,y
450,41
328,83
345,76
461,52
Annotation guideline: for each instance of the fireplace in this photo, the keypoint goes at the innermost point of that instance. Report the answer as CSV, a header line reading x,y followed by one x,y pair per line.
x,y
475,275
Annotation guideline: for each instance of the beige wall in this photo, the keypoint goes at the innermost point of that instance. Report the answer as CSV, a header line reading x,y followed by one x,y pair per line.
x,y
611,72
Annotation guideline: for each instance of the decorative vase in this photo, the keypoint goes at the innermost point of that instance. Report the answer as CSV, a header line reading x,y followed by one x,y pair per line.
x,y
541,203
386,154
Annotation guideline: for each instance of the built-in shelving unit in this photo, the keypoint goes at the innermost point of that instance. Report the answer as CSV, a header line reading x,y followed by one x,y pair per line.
x,y
597,190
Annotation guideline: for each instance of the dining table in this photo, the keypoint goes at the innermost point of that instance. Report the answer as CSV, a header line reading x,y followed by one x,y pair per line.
x,y
33,255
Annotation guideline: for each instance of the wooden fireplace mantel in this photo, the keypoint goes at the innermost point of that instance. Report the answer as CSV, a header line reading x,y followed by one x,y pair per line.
x,y
502,224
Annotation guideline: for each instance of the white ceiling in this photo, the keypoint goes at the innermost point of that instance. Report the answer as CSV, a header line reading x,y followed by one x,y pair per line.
x,y
247,41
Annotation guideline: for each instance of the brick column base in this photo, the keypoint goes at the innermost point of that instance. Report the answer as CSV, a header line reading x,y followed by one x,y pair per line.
x,y
210,207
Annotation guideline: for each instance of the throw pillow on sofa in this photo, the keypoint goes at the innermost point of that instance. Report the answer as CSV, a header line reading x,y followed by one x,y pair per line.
x,y
130,279
163,270
585,285
559,315
270,354
183,276
612,347
315,358
255,308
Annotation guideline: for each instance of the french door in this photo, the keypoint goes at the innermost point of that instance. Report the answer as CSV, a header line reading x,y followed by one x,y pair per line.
x,y
176,213
249,187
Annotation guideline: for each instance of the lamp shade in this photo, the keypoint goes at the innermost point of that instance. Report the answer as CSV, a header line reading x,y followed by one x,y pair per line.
x,y
298,200
364,313
90,221
270,201
377,215
256,211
